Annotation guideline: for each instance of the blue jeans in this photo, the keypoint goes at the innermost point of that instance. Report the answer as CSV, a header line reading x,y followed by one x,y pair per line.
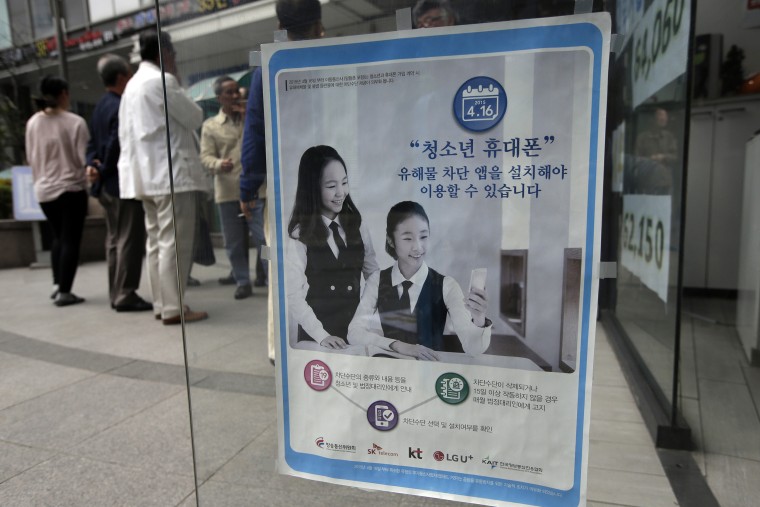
x,y
235,233
256,226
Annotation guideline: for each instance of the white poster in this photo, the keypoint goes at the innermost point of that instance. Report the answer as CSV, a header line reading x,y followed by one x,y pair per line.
x,y
660,47
25,205
645,240
437,212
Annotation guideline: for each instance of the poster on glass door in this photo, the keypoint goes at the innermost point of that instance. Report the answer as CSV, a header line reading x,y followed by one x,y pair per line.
x,y
435,199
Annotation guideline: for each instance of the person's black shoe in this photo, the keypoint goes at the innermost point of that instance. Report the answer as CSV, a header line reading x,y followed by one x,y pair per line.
x,y
138,306
271,361
227,280
67,299
193,282
260,282
243,291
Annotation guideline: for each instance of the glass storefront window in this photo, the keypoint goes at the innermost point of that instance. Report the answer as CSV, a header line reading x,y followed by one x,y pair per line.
x,y
20,23
106,9
228,356
74,13
6,36
42,19
648,115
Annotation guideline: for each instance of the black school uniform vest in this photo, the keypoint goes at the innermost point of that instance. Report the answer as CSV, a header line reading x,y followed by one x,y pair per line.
x,y
334,284
425,325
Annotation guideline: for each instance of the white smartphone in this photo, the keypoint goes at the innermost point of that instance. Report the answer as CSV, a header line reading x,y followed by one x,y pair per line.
x,y
478,278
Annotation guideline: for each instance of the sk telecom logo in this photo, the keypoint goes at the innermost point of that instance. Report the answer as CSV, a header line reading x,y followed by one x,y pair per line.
x,y
415,453
320,442
379,451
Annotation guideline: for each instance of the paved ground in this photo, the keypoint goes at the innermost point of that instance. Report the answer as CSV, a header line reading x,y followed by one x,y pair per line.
x,y
94,409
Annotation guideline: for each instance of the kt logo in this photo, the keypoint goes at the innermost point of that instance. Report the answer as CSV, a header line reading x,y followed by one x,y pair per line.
x,y
415,453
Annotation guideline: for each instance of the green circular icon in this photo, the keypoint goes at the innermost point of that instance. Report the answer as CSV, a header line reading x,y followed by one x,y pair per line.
x,y
452,388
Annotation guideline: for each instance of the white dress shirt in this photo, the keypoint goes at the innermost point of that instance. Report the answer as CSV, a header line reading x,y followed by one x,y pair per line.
x,y
144,161
365,324
297,285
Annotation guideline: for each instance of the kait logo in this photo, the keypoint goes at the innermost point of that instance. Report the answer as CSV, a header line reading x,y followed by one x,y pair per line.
x,y
487,461
439,456
415,453
320,442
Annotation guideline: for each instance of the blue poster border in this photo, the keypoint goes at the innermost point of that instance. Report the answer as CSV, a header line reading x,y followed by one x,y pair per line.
x,y
571,35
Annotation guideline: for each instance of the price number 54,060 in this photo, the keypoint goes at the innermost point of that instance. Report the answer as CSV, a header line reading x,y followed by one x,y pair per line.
x,y
644,238
667,23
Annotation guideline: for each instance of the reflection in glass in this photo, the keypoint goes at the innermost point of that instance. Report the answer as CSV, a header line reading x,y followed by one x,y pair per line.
x,y
514,280
647,121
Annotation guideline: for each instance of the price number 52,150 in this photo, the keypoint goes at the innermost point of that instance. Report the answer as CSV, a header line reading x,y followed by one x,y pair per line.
x,y
644,237
653,42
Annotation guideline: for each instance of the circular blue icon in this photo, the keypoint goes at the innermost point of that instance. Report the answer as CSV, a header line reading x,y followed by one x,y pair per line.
x,y
480,104
382,416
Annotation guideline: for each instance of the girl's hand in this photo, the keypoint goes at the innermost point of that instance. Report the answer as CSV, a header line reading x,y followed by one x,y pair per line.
x,y
416,351
477,302
334,342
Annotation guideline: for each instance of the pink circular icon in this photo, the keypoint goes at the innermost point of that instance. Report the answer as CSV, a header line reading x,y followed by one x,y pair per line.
x,y
318,375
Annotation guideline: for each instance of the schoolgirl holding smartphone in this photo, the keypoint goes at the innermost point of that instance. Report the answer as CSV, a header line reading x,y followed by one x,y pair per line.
x,y
327,251
414,301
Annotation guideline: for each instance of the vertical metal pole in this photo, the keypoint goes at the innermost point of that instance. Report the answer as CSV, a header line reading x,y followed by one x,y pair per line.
x,y
59,39
682,229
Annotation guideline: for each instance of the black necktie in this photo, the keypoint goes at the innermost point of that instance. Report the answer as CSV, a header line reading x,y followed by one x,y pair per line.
x,y
336,236
404,302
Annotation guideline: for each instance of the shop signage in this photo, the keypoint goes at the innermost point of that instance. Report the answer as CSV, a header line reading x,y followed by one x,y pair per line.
x,y
660,46
645,240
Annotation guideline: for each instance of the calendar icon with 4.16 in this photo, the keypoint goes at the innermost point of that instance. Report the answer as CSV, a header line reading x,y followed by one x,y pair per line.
x,y
480,103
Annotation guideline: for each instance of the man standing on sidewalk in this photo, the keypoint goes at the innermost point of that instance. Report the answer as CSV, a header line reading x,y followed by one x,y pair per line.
x,y
125,219
220,154
303,20
144,171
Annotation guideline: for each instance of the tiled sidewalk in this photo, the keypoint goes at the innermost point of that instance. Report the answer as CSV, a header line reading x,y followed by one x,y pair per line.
x,y
94,409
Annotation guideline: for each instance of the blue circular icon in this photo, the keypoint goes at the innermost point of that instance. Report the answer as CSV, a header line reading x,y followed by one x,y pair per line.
x,y
382,416
480,104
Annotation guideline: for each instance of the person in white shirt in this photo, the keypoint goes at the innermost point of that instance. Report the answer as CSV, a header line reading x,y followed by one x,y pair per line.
x,y
328,250
414,302
144,170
